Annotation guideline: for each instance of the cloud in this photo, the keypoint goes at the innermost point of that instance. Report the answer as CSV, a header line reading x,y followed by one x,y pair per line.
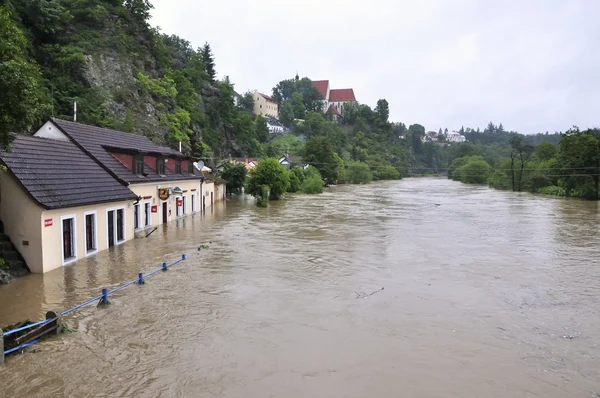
x,y
532,65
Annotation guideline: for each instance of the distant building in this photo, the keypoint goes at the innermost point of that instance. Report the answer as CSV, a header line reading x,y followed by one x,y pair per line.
x,y
274,126
334,99
265,105
455,136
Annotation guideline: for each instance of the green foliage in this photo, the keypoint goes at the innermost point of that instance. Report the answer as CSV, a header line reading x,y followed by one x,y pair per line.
x,y
359,173
162,88
208,60
178,124
476,171
553,190
546,151
294,181
387,173
313,184
20,93
235,175
295,98
271,174
579,160
319,153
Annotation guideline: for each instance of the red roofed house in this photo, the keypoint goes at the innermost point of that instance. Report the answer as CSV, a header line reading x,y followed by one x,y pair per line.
x,y
265,105
334,99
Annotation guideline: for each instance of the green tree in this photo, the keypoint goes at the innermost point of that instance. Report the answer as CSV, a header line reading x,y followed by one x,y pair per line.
x,y
476,171
235,176
313,184
208,61
521,153
20,94
318,152
546,151
295,183
271,174
359,173
383,110
580,161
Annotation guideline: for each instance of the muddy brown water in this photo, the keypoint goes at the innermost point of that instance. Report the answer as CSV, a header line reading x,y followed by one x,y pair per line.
x,y
489,294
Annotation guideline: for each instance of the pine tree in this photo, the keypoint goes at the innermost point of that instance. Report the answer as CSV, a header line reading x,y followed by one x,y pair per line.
x,y
209,62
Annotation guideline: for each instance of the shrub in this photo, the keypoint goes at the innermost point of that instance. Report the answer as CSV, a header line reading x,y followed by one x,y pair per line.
x,y
313,184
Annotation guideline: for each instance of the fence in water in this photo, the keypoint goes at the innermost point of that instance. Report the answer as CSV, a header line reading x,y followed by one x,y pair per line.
x,y
24,336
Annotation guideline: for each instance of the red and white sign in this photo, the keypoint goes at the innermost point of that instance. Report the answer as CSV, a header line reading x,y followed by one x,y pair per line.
x,y
179,202
48,222
154,209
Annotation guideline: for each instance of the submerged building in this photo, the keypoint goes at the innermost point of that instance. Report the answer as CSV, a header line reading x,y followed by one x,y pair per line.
x,y
72,190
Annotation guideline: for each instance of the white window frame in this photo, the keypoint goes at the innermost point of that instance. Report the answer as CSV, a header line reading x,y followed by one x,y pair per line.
x,y
139,217
193,200
149,203
95,214
183,205
117,242
74,243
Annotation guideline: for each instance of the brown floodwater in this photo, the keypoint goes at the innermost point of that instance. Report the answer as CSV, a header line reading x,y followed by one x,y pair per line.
x,y
486,294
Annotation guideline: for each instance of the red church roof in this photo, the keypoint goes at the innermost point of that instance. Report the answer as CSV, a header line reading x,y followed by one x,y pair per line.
x,y
333,110
322,86
341,95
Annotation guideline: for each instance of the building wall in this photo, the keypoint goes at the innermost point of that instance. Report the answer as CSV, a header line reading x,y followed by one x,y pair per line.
x,y
265,108
149,193
21,217
208,189
220,192
52,240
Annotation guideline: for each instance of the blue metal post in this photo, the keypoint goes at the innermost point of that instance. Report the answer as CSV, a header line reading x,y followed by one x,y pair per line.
x,y
164,267
1,348
140,279
104,298
199,248
183,256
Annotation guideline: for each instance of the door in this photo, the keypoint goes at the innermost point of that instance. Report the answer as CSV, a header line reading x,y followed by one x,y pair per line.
x,y
111,228
164,212
211,199
68,250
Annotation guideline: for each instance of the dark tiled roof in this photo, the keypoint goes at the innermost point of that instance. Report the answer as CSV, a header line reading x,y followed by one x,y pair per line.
x,y
342,94
334,110
94,140
57,174
321,86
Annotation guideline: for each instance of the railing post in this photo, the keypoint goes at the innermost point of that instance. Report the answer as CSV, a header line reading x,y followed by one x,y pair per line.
x,y
104,299
1,347
199,248
55,314
183,256
140,279
164,268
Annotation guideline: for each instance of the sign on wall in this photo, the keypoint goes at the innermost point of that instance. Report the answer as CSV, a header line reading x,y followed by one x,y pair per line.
x,y
179,202
48,222
163,193
154,209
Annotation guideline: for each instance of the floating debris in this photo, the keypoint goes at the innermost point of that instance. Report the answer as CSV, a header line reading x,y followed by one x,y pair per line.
x,y
365,295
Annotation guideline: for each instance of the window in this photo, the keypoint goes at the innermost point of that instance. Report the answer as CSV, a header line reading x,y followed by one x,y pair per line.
x,y
190,167
138,165
160,166
136,216
178,167
183,205
147,214
91,241
69,240
120,225
193,203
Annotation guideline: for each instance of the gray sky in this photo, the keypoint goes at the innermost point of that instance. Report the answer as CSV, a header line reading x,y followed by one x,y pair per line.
x,y
533,65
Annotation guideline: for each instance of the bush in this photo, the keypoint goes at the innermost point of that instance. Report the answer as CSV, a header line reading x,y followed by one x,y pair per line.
x,y
313,184
359,173
553,191
388,173
474,172
294,182
271,174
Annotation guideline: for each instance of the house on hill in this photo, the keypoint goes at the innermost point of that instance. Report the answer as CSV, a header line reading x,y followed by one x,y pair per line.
x,y
72,190
265,106
334,99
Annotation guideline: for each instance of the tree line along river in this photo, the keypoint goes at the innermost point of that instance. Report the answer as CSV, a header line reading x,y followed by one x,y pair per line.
x,y
486,294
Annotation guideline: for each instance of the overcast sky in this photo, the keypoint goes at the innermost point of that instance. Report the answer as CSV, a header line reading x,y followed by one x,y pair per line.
x,y
533,65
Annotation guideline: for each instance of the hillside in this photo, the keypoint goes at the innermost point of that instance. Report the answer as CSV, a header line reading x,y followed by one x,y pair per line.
x,y
123,74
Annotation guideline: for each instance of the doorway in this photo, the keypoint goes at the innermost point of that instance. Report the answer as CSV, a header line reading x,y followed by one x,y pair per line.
x,y
111,228
165,214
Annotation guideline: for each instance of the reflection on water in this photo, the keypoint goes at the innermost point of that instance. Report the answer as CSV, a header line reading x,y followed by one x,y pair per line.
x,y
487,294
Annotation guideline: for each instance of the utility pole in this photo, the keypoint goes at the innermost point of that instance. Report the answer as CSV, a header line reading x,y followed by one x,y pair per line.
x,y
75,111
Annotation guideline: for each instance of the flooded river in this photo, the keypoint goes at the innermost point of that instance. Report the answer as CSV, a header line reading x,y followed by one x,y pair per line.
x,y
486,294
